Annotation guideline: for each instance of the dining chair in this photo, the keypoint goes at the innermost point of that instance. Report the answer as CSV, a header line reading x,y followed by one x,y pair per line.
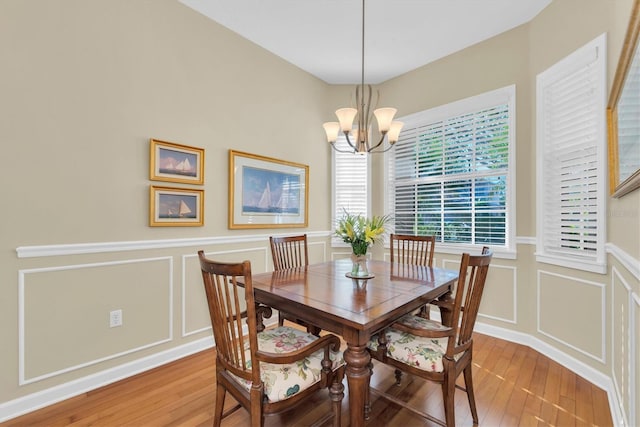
x,y
291,252
270,371
418,250
435,351
408,249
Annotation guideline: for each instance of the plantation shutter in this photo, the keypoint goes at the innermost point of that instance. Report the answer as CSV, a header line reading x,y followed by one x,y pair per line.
x,y
571,174
449,172
351,183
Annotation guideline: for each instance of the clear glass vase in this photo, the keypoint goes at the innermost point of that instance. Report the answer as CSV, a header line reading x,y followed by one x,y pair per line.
x,y
359,266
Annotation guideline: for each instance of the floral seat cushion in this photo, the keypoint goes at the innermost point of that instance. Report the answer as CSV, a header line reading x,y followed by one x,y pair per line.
x,y
419,352
283,381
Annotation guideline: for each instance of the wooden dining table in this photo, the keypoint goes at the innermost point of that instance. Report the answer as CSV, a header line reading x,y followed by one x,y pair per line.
x,y
355,309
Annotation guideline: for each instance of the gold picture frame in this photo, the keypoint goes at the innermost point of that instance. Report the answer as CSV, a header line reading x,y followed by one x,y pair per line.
x,y
173,162
267,193
624,165
175,207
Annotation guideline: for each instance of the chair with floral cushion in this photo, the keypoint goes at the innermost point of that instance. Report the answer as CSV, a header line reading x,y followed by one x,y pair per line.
x,y
270,371
434,351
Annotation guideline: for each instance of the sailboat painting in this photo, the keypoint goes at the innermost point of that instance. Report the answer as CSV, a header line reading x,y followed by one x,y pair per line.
x,y
265,192
176,206
268,191
176,163
172,206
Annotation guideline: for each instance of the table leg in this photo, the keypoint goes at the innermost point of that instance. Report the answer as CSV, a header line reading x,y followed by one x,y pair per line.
x,y
262,312
358,372
445,308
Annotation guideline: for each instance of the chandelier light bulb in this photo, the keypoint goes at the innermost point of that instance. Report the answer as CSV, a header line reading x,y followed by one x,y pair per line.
x,y
384,116
346,116
394,132
332,129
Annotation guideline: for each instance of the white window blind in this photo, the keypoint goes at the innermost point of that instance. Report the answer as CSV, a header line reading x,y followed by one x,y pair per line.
x,y
350,183
450,173
571,160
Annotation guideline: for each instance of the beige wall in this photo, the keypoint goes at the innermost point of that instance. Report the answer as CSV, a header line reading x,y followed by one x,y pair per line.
x,y
85,85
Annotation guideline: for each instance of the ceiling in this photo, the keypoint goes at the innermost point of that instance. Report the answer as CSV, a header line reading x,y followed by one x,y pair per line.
x,y
324,37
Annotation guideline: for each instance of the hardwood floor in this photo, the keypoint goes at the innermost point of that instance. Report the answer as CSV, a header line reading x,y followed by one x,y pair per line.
x,y
515,386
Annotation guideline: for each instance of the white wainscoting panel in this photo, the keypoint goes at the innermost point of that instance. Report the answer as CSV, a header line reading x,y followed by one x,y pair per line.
x,y
621,339
64,313
569,304
634,331
195,313
500,296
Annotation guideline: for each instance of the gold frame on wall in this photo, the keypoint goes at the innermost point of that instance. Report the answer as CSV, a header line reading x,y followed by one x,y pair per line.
x,y
629,48
267,193
165,158
175,207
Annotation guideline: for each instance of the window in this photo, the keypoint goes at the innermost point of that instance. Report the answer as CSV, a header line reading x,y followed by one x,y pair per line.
x,y
571,159
350,183
451,173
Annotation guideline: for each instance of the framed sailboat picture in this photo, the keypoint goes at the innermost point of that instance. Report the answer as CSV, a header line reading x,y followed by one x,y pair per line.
x,y
173,162
175,207
267,193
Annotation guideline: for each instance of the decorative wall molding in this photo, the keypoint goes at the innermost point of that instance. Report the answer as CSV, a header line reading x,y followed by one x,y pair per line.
x,y
183,285
92,248
629,262
634,409
526,240
616,277
22,274
600,358
514,285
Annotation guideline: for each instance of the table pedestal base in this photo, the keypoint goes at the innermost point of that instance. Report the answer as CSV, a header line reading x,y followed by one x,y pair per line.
x,y
358,373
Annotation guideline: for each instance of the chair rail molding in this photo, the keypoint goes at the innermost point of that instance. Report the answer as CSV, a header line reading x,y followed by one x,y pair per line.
x,y
102,247
629,262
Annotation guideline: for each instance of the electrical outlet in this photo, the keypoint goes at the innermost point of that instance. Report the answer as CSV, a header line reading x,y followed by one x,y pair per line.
x,y
115,318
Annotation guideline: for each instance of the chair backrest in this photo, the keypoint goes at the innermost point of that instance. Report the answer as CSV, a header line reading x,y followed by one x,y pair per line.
x,y
468,294
289,252
406,249
226,299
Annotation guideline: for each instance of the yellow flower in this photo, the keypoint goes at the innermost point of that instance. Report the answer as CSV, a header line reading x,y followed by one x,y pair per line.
x,y
372,233
349,230
360,232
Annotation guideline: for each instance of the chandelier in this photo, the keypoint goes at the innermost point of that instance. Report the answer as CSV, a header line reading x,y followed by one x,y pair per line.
x,y
358,138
